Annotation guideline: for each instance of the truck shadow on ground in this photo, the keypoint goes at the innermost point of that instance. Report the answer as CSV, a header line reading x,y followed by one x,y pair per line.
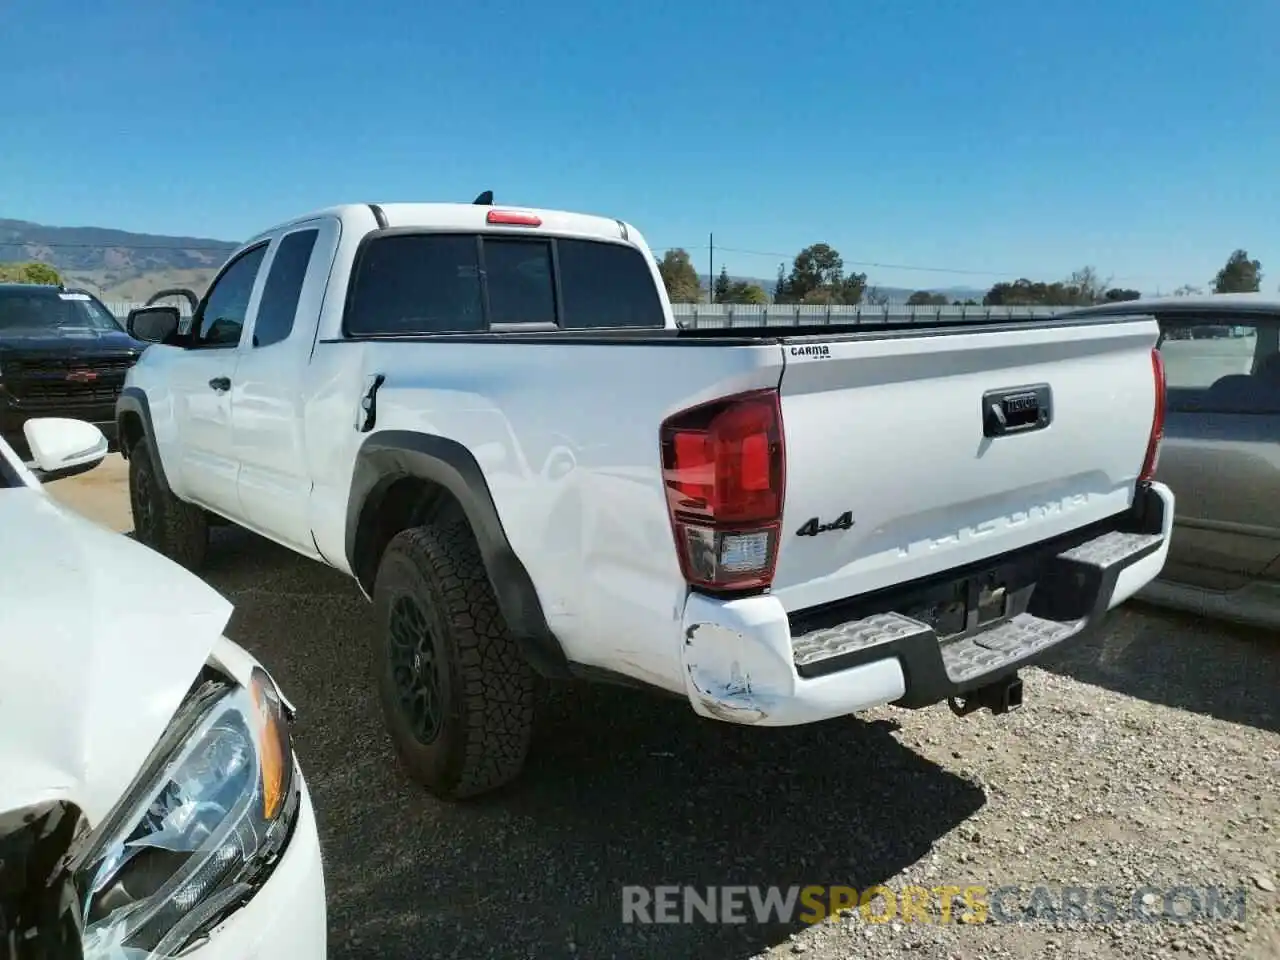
x,y
1179,660
621,789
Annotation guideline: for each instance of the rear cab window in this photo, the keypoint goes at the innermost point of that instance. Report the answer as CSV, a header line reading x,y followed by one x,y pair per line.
x,y
1221,363
416,283
519,279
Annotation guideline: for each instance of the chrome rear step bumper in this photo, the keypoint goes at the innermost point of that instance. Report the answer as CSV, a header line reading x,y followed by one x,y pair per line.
x,y
750,661
1069,594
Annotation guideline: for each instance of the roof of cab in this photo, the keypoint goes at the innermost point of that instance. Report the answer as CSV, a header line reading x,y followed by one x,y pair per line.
x,y
469,216
14,287
1199,304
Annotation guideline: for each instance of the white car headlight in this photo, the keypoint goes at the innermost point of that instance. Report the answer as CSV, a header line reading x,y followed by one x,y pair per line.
x,y
200,829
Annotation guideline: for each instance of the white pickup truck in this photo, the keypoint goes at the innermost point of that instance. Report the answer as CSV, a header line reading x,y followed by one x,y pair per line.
x,y
488,417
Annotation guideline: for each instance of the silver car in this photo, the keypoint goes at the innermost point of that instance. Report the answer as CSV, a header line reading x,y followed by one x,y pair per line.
x,y
1221,452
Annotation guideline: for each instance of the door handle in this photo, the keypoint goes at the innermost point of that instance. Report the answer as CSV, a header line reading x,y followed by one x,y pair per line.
x,y
368,414
221,384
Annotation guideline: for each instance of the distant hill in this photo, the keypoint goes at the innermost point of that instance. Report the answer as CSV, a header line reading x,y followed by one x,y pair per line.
x,y
119,265
897,294
116,264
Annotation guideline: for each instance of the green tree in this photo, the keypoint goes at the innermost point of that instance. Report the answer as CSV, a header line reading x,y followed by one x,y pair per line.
x,y
780,292
1240,275
723,285
739,291
853,287
31,272
926,298
1116,294
875,296
1020,293
679,277
1027,293
816,268
817,276
821,297
1085,287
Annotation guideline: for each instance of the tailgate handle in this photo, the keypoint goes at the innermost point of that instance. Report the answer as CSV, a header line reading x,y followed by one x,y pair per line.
x,y
1016,410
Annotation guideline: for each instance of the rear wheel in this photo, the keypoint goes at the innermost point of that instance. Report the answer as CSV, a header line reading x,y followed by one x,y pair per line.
x,y
455,690
161,521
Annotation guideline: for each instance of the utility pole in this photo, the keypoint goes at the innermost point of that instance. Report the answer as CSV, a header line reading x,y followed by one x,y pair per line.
x,y
711,268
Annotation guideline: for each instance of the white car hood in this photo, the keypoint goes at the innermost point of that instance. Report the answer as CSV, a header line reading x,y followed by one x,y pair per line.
x,y
100,639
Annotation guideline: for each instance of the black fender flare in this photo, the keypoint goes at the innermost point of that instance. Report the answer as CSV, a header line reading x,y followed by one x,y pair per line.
x,y
391,455
133,402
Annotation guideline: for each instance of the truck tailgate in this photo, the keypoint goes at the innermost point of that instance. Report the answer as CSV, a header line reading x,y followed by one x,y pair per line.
x,y
891,474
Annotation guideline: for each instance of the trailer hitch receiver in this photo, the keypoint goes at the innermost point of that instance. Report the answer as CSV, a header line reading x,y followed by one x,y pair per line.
x,y
999,697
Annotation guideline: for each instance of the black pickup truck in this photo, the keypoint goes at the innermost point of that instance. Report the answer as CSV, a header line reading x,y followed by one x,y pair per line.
x,y
62,354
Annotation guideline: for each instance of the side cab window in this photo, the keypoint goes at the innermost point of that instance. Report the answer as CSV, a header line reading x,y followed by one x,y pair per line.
x,y
274,319
220,318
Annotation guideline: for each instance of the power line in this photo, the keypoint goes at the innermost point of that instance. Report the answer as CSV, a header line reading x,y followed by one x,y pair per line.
x,y
57,245
876,265
895,266
228,246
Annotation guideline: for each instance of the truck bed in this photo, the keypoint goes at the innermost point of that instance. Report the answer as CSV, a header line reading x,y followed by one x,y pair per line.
x,y
884,423
740,334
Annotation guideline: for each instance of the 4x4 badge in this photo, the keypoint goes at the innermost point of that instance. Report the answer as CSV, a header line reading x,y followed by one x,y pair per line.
x,y
812,527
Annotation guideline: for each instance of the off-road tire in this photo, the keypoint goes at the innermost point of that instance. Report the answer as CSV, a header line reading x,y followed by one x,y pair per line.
x,y
484,707
161,521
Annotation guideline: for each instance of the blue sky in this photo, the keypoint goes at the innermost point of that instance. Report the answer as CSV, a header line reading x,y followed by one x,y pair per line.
x,y
991,139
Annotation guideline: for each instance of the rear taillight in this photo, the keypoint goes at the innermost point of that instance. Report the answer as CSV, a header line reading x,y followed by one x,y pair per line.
x,y
723,469
1152,460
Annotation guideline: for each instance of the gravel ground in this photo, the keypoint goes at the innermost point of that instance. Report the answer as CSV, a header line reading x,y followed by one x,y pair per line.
x,y
1148,756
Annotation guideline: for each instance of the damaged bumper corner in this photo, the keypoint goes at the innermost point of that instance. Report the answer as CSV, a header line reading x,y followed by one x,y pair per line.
x,y
742,664
738,668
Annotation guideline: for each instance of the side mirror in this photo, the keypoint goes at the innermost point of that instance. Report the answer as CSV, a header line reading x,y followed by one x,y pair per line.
x,y
153,324
63,448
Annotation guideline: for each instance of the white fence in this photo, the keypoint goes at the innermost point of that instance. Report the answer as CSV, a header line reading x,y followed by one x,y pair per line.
x,y
700,315
711,315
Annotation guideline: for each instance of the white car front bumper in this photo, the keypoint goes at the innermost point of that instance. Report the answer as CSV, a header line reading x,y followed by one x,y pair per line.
x,y
286,919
